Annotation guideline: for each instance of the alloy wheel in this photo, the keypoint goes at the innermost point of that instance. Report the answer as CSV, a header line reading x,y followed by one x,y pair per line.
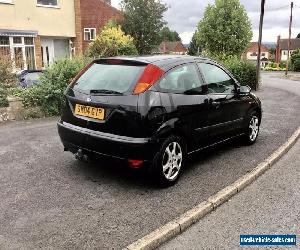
x,y
172,161
253,128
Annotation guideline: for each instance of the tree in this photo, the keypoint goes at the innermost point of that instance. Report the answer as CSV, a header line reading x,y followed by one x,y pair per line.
x,y
143,19
112,41
225,28
298,36
195,45
169,35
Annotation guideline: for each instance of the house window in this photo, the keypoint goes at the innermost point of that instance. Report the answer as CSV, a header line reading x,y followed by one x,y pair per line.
x,y
263,54
4,46
28,40
47,2
17,40
20,50
89,34
253,54
18,58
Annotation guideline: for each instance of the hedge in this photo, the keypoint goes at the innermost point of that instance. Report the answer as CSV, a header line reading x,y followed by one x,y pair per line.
x,y
244,71
48,94
295,60
3,96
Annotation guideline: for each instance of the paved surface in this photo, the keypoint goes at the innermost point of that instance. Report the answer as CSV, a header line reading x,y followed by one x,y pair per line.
x,y
270,80
50,200
271,205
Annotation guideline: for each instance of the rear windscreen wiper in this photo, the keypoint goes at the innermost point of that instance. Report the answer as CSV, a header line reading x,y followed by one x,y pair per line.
x,y
105,91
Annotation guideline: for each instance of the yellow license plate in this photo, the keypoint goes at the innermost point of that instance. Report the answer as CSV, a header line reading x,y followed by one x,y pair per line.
x,y
91,112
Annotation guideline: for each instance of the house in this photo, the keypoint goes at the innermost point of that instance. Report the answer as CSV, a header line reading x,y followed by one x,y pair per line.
x,y
176,48
35,33
251,53
91,17
282,48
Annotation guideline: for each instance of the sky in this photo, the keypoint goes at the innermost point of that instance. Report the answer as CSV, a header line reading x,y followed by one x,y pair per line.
x,y
183,16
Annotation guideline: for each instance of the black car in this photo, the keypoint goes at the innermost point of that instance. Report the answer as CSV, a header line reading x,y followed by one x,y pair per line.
x,y
155,111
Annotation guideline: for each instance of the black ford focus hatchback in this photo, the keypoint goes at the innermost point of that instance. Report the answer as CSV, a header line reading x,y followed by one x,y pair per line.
x,y
155,111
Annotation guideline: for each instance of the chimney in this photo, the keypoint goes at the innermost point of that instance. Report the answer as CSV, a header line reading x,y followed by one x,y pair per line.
x,y
278,51
108,1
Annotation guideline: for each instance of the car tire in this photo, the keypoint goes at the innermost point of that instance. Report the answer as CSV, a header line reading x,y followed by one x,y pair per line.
x,y
169,161
252,129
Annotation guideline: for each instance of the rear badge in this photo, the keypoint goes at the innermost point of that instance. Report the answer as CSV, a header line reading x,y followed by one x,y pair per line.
x,y
88,99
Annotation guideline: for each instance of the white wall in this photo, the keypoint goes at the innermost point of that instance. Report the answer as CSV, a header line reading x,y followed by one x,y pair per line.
x,y
249,57
48,21
284,54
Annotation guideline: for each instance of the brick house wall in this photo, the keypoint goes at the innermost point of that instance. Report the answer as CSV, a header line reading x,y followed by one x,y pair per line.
x,y
38,52
179,48
92,14
167,47
78,28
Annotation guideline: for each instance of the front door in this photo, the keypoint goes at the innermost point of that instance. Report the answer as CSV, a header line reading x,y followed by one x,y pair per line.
x,y
47,52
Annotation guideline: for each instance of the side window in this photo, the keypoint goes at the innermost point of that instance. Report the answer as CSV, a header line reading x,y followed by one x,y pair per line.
x,y
47,2
89,34
183,79
218,81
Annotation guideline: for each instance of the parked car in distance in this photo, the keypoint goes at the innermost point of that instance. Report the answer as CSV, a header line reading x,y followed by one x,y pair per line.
x,y
29,78
155,111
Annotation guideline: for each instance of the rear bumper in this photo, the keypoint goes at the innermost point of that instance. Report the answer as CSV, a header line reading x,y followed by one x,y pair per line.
x,y
121,147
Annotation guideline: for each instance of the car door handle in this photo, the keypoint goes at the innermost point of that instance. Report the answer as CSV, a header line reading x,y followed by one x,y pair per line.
x,y
215,104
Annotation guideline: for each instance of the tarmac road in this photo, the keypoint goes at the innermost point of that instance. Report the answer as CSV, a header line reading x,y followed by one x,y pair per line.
x,y
50,200
271,205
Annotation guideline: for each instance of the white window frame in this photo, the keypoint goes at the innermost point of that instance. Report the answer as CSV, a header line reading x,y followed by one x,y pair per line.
x,y
7,46
47,5
89,38
22,46
5,1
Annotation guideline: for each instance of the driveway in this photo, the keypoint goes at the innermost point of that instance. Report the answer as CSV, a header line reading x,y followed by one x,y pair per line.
x,y
50,200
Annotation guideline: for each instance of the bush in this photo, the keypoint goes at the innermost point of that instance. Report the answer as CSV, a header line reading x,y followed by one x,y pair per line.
x,y
15,91
112,41
295,61
296,65
49,93
7,78
282,64
272,65
243,71
3,96
268,68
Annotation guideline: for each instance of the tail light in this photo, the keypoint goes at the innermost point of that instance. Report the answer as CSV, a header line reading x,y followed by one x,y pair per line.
x,y
135,163
150,75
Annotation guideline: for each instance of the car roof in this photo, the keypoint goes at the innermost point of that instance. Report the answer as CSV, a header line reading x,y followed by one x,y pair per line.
x,y
165,62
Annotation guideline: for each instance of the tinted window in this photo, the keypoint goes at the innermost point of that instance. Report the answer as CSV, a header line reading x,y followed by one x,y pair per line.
x,y
218,81
118,78
32,78
183,79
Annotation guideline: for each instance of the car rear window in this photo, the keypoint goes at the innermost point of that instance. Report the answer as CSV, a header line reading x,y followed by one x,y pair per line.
x,y
119,78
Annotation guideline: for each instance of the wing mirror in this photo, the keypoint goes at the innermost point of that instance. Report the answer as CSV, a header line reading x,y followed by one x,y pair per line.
x,y
244,90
